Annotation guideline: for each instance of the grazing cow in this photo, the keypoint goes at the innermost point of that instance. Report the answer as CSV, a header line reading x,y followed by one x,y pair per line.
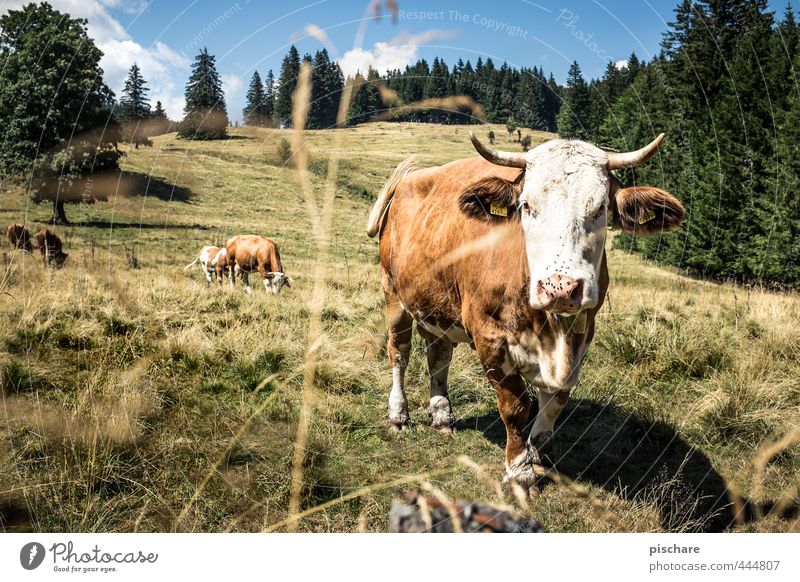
x,y
19,237
214,260
50,247
506,252
249,252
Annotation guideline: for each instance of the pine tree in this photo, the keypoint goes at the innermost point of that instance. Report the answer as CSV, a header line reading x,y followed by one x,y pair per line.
x,y
269,98
287,81
206,115
437,87
253,112
159,112
573,119
134,104
56,125
134,108
366,101
327,83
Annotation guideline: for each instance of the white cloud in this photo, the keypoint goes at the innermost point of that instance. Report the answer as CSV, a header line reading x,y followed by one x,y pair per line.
x,y
623,64
160,64
232,86
385,56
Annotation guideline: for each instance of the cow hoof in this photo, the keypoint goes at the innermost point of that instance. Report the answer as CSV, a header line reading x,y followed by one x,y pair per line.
x,y
522,469
524,479
441,416
543,444
398,424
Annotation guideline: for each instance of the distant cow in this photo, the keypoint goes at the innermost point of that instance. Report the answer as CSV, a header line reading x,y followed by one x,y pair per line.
x,y
247,253
50,247
214,260
19,237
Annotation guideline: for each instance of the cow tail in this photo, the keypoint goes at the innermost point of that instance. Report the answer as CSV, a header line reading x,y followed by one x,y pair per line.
x,y
192,264
381,206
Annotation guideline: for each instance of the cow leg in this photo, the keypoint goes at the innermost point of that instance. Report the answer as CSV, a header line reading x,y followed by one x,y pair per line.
x,y
439,352
208,276
232,274
399,324
245,277
513,404
550,406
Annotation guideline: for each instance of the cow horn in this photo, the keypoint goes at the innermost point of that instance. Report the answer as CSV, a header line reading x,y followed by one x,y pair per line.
x,y
498,157
621,161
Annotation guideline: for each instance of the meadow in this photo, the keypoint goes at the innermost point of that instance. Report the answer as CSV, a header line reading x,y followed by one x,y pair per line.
x,y
136,399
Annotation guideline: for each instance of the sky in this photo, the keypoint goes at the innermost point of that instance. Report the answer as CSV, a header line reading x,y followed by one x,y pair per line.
x,y
163,36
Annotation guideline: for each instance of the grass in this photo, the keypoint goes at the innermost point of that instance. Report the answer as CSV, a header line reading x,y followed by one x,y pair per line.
x,y
138,400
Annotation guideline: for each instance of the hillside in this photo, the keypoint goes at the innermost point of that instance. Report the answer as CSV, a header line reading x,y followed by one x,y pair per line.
x,y
137,399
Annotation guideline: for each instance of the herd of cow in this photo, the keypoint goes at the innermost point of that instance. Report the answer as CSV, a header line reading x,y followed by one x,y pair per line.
x,y
48,242
504,252
241,255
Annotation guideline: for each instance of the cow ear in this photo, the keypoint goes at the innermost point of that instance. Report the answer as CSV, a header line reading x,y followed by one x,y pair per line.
x,y
269,276
492,198
645,210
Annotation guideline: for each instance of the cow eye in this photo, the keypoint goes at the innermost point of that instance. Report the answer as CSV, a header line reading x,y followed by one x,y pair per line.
x,y
525,207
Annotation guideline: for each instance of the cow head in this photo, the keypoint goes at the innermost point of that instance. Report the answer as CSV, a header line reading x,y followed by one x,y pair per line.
x,y
561,199
274,282
57,259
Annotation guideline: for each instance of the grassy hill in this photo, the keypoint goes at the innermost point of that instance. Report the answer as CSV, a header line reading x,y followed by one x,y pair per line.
x,y
136,399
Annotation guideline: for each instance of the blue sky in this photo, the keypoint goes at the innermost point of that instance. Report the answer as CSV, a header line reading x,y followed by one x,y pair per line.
x,y
245,35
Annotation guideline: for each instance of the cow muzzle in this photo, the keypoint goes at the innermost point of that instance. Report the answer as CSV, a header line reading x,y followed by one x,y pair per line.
x,y
561,294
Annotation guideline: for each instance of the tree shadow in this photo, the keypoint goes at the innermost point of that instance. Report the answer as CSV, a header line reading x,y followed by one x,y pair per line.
x,y
140,225
637,460
136,184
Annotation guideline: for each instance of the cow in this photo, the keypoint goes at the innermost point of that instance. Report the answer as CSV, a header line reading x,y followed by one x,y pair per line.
x,y
50,248
19,237
506,252
214,261
250,252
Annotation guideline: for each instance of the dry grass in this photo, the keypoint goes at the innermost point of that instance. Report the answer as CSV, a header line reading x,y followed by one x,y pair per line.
x,y
140,400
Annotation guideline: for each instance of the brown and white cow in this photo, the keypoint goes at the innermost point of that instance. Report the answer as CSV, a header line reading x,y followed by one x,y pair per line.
x,y
51,249
507,255
250,252
214,262
19,237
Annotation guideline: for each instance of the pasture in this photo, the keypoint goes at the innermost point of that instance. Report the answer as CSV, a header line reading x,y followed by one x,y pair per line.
x,y
136,399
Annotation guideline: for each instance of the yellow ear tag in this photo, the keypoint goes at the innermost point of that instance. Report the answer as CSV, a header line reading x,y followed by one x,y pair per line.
x,y
649,215
498,210
579,325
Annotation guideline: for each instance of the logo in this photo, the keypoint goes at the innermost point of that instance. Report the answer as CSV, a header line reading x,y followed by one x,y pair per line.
x,y
31,555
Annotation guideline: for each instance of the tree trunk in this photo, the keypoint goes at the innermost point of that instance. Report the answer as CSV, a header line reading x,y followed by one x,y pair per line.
x,y
59,216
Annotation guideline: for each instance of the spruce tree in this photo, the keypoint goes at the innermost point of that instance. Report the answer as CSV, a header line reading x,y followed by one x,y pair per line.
x,y
287,81
159,112
134,108
366,101
573,119
327,83
206,115
253,112
269,98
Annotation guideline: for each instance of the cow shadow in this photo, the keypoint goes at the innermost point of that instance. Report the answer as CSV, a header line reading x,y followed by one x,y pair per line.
x,y
637,460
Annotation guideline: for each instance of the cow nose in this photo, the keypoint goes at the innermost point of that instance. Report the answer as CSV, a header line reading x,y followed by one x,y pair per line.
x,y
560,293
